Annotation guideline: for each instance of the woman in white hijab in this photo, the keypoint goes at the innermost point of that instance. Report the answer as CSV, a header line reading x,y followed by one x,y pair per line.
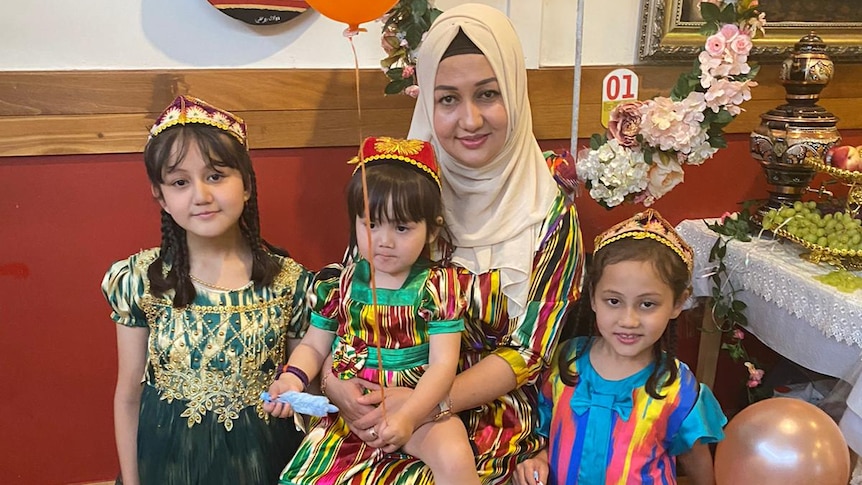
x,y
513,231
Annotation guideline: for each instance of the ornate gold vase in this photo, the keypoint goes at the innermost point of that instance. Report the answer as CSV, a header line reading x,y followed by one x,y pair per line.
x,y
799,129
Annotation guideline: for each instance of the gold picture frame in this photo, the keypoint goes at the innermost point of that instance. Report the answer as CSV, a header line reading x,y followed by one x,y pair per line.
x,y
670,29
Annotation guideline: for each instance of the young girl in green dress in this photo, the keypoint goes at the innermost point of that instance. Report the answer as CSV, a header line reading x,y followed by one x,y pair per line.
x,y
204,319
416,319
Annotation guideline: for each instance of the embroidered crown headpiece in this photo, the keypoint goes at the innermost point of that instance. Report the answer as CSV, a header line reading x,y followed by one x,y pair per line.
x,y
188,109
648,224
417,154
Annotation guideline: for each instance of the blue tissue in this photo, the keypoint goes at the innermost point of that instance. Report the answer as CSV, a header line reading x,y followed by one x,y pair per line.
x,y
304,403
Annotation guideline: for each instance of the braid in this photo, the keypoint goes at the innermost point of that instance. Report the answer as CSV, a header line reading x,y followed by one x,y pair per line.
x,y
264,267
219,149
181,268
174,250
159,284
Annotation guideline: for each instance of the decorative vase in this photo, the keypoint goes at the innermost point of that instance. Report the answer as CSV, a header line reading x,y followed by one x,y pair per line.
x,y
799,129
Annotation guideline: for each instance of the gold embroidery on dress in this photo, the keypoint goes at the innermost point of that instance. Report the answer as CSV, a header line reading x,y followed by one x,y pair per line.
x,y
212,356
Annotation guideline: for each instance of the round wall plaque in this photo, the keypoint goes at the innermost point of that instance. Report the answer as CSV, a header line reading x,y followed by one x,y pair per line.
x,y
261,12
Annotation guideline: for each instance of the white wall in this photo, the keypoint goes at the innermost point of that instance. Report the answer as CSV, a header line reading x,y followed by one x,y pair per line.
x,y
182,34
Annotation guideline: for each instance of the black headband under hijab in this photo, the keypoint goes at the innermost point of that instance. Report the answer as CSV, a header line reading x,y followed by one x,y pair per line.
x,y
461,44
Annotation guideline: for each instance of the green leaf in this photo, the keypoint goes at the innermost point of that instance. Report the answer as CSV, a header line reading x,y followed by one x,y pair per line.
x,y
709,28
710,12
597,140
717,141
396,87
413,34
685,84
723,116
728,14
420,6
755,68
648,153
434,14
394,74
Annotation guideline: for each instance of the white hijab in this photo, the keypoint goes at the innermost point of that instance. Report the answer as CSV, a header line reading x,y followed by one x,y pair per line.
x,y
494,213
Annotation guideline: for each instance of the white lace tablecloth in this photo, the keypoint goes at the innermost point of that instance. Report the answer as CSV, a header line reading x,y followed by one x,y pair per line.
x,y
810,323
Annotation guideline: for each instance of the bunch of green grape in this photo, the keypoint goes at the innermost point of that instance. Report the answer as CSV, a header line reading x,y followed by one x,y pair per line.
x,y
844,280
837,231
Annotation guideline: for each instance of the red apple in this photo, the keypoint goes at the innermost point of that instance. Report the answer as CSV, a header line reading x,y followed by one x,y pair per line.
x,y
845,157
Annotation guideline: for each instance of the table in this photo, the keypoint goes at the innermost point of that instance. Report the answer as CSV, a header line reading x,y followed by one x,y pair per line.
x,y
809,323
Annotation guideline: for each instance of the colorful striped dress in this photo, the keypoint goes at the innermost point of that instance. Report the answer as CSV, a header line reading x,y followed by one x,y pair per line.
x,y
503,431
430,302
613,432
201,419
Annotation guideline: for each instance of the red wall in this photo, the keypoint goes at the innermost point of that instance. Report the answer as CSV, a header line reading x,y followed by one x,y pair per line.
x,y
65,219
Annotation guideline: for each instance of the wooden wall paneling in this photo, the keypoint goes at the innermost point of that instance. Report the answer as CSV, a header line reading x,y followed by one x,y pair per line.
x,y
53,113
123,92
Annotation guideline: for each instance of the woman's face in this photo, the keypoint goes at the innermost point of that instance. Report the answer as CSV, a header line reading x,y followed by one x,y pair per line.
x,y
470,118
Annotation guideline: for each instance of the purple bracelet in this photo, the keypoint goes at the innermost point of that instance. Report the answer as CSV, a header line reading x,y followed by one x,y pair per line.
x,y
299,373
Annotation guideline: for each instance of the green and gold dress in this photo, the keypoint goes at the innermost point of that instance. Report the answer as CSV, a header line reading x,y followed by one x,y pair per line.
x,y
201,418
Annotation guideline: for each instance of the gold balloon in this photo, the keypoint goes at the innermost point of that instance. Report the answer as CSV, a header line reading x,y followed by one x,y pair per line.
x,y
782,441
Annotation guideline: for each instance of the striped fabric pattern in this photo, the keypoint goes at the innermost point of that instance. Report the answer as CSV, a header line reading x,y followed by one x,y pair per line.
x,y
430,301
637,448
503,430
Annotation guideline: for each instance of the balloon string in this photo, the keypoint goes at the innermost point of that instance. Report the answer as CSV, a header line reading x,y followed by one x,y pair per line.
x,y
375,321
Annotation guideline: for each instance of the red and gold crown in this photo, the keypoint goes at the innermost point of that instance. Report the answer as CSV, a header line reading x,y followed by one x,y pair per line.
x,y
415,153
648,224
188,109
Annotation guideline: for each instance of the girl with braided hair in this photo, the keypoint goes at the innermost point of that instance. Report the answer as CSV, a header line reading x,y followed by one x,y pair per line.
x,y
618,407
205,319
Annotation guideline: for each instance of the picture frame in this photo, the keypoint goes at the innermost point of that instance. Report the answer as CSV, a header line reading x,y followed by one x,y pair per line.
x,y
670,29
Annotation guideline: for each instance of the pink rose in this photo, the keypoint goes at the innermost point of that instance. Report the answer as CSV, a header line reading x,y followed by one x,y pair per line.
x,y
665,174
755,375
729,31
715,45
741,44
738,334
412,91
729,215
625,123
407,72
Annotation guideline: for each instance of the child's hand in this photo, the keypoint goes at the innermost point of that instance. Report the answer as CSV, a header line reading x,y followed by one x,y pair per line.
x,y
533,471
395,431
284,383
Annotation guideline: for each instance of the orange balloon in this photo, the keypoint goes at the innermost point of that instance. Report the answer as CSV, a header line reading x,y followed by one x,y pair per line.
x,y
352,12
782,441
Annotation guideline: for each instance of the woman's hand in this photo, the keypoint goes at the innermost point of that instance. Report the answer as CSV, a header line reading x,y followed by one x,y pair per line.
x,y
394,429
347,395
395,399
533,471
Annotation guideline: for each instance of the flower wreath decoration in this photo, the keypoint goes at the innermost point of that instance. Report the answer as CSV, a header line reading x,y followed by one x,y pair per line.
x,y
404,28
641,156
